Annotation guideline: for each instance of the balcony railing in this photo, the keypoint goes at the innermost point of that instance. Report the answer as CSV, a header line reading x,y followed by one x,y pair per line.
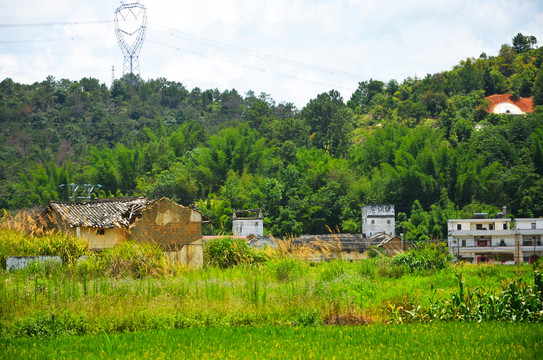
x,y
494,248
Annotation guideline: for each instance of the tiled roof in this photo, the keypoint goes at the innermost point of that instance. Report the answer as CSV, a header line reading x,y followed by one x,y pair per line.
x,y
103,213
524,104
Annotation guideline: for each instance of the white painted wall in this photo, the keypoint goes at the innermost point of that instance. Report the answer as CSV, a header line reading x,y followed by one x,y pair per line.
x,y
247,227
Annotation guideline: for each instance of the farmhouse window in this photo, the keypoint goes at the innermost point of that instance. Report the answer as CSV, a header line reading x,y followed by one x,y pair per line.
x,y
100,231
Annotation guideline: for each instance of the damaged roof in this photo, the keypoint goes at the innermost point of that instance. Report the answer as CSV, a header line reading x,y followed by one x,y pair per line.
x,y
345,242
102,213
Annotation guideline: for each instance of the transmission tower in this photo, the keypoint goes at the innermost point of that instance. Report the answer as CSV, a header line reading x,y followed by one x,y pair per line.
x,y
130,28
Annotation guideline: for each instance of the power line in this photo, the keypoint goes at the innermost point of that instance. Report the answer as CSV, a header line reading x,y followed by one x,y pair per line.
x,y
56,24
47,40
246,66
259,55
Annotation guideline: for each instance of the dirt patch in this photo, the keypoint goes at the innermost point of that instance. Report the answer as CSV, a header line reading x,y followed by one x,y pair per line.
x,y
347,320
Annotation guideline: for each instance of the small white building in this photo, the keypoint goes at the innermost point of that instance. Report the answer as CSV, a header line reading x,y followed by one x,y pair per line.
x,y
247,222
378,219
498,240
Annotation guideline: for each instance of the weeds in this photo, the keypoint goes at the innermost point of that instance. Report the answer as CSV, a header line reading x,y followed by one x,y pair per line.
x,y
226,252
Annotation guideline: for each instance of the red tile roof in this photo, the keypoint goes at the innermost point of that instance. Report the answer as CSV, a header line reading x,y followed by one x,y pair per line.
x,y
525,104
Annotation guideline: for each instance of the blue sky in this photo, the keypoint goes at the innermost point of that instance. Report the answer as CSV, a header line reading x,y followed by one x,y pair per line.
x,y
292,50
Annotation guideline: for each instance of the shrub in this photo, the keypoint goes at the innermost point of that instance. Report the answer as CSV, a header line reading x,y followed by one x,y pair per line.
x,y
430,257
226,252
17,243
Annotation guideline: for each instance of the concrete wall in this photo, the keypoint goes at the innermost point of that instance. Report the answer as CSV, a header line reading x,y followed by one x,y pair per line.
x,y
22,262
169,225
247,227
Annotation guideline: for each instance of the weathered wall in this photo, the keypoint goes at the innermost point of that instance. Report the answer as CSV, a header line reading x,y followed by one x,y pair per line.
x,y
169,225
395,246
97,241
191,255
109,239
247,227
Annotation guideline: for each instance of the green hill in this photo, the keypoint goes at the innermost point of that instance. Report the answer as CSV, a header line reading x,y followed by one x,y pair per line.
x,y
426,145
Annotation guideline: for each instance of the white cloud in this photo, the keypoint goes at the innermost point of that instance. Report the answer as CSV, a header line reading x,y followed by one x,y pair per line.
x,y
214,42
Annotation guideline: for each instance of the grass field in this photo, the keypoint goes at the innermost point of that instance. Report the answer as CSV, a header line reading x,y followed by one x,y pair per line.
x,y
412,341
56,302
129,302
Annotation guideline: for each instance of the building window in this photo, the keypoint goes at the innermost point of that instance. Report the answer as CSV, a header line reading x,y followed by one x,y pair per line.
x,y
463,242
479,227
458,226
100,231
373,221
388,221
256,223
502,242
505,226
491,226
533,225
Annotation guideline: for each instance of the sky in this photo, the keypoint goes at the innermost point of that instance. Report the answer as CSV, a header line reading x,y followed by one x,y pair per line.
x,y
291,50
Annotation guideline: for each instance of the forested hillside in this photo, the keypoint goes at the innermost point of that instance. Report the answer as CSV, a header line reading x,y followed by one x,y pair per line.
x,y
426,145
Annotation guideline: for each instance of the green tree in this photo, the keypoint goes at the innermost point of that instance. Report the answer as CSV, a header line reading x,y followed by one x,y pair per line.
x,y
538,89
521,43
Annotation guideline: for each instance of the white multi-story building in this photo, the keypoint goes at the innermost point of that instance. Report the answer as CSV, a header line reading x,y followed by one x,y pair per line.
x,y
378,219
499,240
530,231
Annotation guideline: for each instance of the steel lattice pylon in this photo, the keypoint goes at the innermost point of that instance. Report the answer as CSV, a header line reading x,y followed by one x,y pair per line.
x,y
130,28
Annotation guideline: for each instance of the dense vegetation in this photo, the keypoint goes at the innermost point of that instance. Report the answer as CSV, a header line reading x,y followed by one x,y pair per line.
x,y
425,145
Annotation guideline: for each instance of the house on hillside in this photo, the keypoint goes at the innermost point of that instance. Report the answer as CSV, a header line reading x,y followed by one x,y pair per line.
x,y
483,239
108,222
508,104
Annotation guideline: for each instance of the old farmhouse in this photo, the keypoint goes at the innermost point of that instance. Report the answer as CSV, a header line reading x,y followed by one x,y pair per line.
x,y
107,222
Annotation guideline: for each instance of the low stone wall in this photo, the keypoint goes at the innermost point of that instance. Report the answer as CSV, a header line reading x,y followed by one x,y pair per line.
x,y
22,262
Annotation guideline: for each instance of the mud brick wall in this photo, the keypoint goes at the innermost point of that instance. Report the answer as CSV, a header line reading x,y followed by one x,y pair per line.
x,y
169,225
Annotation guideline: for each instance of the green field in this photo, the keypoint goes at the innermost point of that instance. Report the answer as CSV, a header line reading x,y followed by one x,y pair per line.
x,y
412,341
125,304
283,292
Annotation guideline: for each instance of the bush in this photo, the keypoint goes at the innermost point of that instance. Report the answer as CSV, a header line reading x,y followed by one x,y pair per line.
x,y
430,257
226,252
16,243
